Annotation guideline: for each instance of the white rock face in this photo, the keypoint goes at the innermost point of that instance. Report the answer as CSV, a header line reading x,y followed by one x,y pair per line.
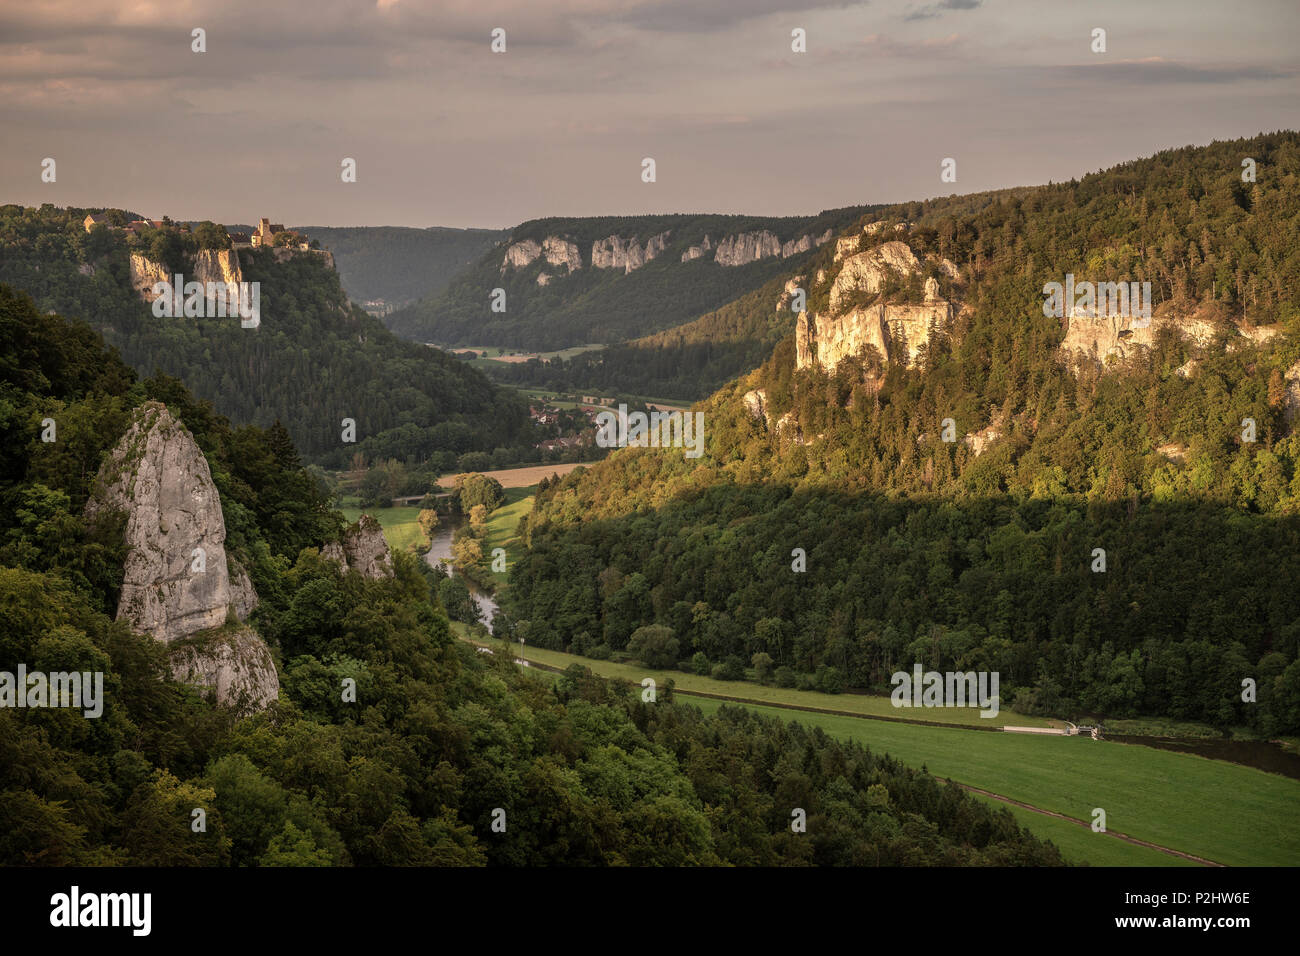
x,y
756,403
561,252
362,549
867,271
746,247
1096,337
616,252
980,440
803,244
520,254
897,331
235,665
158,476
792,286
209,265
697,252
846,246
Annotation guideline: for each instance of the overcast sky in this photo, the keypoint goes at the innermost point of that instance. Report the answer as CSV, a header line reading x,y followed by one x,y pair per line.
x,y
446,132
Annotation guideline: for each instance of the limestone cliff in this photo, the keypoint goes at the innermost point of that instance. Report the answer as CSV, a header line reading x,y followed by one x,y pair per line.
x,y
615,252
144,273
178,584
520,254
209,265
697,252
234,664
803,244
896,331
1090,337
867,271
560,252
363,549
746,247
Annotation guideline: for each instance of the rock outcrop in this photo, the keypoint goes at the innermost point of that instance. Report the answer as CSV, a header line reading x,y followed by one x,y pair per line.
x,y
178,583
792,286
867,271
144,273
234,664
555,250
363,549
520,254
697,252
1098,337
979,441
896,331
615,252
560,252
804,243
746,247
208,265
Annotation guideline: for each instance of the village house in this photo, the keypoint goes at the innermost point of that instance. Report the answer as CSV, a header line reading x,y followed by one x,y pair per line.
x,y
134,227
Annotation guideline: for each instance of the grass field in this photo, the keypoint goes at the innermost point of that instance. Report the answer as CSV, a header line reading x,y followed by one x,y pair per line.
x,y
1210,808
1213,809
503,525
1080,845
401,527
872,706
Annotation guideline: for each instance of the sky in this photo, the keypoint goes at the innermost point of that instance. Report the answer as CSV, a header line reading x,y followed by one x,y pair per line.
x,y
446,132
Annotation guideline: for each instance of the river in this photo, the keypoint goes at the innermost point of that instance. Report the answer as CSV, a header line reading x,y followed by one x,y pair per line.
x,y
440,552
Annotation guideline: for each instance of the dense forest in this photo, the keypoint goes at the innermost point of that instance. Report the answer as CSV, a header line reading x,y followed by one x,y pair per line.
x,y
924,550
315,359
603,305
439,738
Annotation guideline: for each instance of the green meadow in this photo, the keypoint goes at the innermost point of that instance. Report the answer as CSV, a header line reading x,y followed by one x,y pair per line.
x,y
1210,808
1220,811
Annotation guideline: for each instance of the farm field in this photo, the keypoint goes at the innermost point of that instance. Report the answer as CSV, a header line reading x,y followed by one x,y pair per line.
x,y
1238,816
867,706
1210,808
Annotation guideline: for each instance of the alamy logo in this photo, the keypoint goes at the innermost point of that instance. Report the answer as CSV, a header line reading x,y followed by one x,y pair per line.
x,y
209,300
932,689
656,430
74,908
1087,299
82,690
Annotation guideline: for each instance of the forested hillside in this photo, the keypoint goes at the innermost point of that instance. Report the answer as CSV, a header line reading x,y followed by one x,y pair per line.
x,y
439,739
314,360
553,306
399,265
980,552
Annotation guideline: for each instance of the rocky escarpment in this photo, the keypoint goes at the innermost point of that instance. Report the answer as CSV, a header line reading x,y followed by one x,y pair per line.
x,y
746,247
897,332
1092,338
208,265
179,584
697,252
363,549
556,250
616,252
